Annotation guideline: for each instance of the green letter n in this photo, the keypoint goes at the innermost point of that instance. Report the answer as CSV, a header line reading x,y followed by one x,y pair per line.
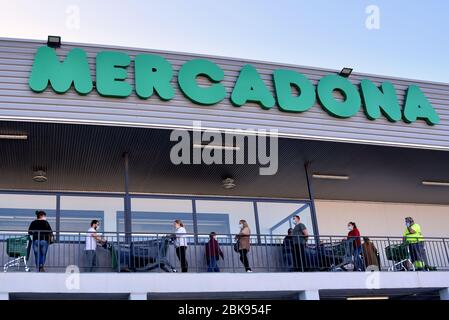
x,y
74,69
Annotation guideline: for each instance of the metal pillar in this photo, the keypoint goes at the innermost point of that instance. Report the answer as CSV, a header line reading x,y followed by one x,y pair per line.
x,y
312,201
58,217
195,222
127,204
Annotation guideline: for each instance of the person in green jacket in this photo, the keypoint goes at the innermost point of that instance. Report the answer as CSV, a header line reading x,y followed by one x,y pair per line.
x,y
415,241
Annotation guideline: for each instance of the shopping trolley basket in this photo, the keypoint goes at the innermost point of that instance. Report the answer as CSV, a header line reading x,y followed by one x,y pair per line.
x,y
17,248
399,254
143,255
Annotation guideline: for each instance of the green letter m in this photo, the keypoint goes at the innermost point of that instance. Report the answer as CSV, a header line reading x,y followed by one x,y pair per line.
x,y
75,69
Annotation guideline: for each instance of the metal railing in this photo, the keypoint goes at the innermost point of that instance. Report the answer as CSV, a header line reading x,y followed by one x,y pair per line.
x,y
267,253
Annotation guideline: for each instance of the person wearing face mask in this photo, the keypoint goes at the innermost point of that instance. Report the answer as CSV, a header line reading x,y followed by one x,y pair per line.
x,y
354,234
42,235
300,237
213,253
244,243
415,240
90,250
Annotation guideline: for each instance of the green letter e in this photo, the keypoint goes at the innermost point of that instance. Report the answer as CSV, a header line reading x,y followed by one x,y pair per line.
x,y
74,69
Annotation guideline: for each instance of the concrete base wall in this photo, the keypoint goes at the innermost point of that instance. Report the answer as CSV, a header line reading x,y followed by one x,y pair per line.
x,y
306,285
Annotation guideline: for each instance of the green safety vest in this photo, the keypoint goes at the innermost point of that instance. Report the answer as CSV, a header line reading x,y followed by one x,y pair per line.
x,y
414,237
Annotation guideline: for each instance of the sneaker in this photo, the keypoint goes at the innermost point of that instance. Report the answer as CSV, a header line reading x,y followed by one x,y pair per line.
x,y
249,270
41,269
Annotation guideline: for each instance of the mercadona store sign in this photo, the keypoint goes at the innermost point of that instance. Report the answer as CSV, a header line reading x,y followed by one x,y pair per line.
x,y
153,75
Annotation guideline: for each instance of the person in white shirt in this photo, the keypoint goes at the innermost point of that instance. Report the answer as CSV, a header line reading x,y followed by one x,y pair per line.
x,y
181,244
92,239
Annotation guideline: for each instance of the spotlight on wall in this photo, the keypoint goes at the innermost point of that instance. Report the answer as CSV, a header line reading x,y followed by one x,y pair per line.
x,y
14,136
40,176
367,298
345,72
54,41
228,183
330,176
436,183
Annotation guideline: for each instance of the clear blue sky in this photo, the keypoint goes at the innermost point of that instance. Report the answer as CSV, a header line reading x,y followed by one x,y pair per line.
x,y
412,42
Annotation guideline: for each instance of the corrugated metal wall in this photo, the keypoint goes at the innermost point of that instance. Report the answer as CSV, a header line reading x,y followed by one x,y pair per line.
x,y
18,102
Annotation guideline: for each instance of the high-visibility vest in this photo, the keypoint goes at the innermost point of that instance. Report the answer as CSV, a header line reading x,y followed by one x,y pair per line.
x,y
414,237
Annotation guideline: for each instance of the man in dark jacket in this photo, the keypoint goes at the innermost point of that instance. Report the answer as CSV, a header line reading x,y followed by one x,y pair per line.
x,y
300,237
213,253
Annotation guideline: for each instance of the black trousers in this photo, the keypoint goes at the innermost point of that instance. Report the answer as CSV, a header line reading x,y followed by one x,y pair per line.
x,y
244,259
181,253
299,257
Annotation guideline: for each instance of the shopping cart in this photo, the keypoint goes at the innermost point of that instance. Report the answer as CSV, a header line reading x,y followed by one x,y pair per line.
x,y
17,248
143,255
399,254
341,254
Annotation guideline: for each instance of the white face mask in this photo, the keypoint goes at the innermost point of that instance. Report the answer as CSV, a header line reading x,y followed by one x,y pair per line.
x,y
294,222
350,228
241,226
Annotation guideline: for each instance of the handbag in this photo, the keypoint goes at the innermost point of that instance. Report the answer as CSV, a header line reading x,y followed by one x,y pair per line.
x,y
51,238
236,246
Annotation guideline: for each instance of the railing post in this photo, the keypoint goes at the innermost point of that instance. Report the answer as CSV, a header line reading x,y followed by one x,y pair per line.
x,y
332,250
127,201
79,251
266,252
232,253
389,245
445,250
118,257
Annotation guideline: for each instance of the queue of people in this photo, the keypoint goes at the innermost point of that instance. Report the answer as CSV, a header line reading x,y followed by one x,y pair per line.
x,y
365,255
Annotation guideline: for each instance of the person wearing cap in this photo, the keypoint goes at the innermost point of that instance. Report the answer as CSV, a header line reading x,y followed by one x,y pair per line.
x,y
42,234
415,241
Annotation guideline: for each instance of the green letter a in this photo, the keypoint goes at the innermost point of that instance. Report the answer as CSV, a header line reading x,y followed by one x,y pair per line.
x,y
418,107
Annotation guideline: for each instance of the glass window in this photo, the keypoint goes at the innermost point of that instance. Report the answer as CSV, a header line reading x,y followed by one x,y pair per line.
x,y
17,211
223,216
78,212
156,215
276,217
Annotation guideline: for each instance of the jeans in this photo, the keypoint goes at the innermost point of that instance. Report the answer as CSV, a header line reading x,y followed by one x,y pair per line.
x,y
181,253
287,256
299,257
244,259
40,248
212,265
91,260
358,263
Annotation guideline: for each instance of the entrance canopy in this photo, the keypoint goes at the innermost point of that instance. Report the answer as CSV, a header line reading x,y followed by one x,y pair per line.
x,y
90,158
